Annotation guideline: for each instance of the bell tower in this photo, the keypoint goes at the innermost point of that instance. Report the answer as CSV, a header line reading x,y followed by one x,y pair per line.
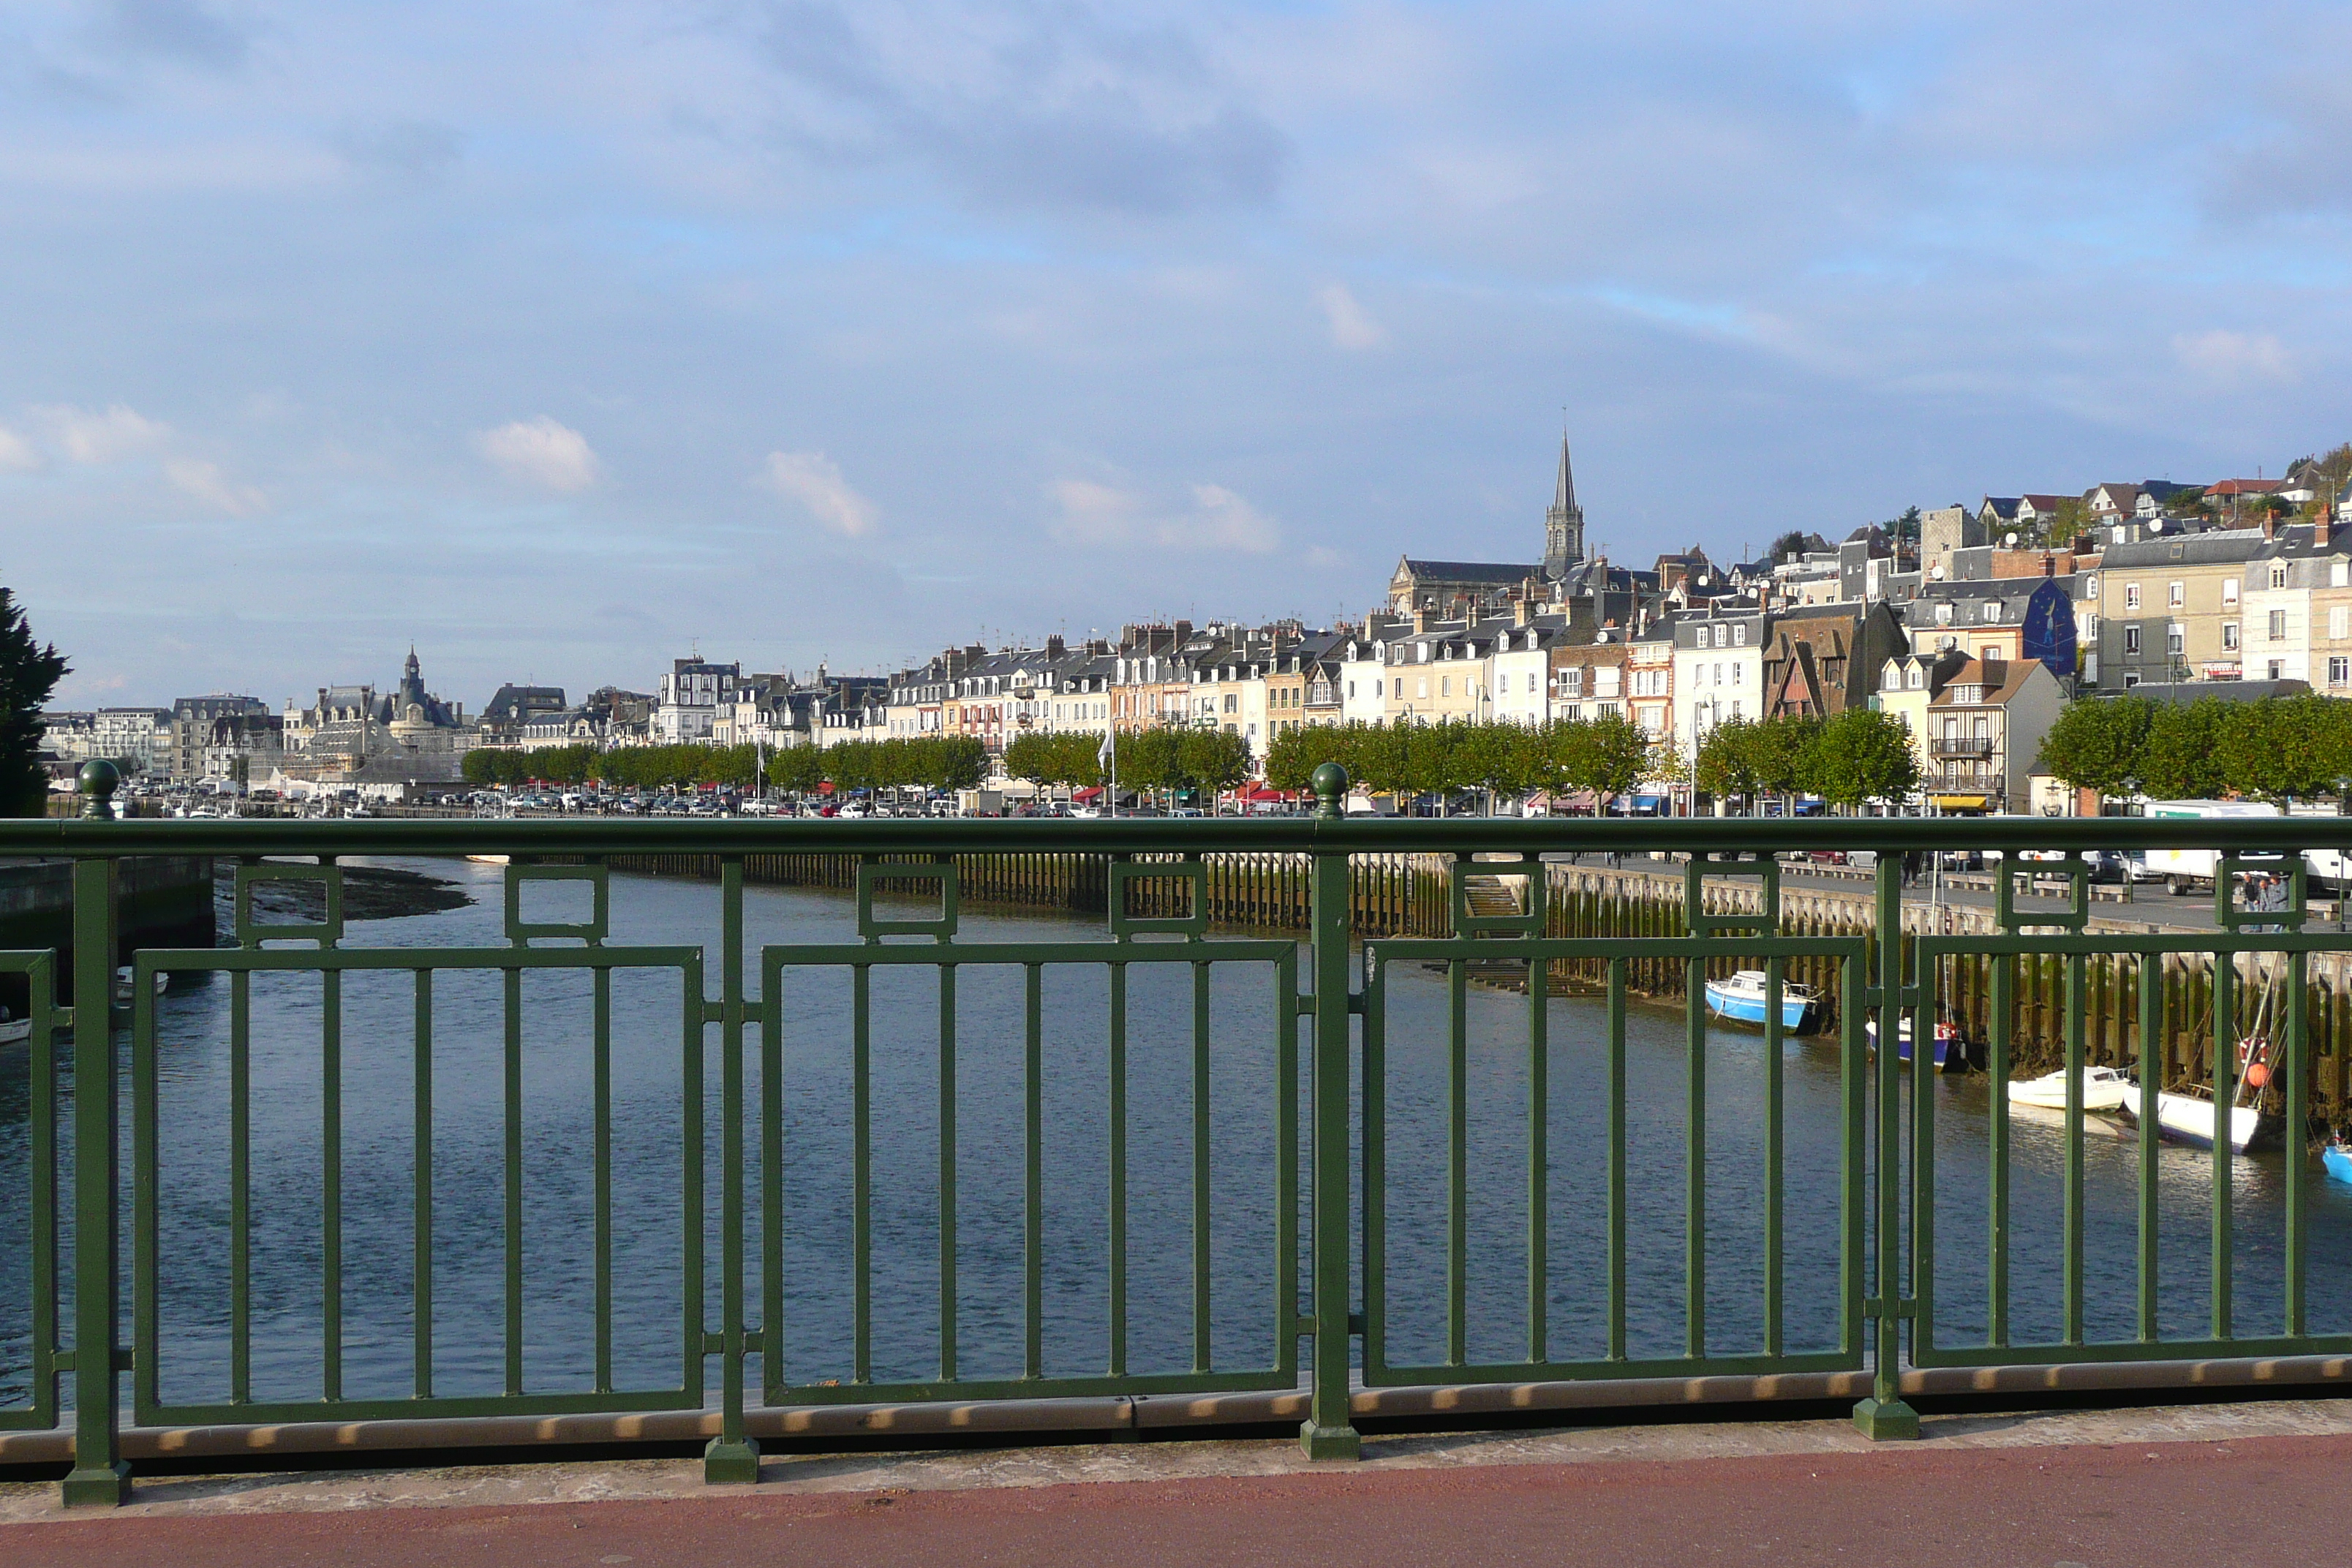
x,y
1563,523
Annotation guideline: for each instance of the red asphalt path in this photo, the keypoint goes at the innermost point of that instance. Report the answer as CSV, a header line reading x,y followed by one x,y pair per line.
x,y
2267,1501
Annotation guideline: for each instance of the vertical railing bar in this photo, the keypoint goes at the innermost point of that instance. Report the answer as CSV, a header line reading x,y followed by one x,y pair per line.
x,y
147,1184
2297,1062
2151,1083
861,1201
240,1187
1538,1154
41,1055
2077,999
1116,1219
602,1067
731,1457
330,1199
772,1176
2004,1005
514,1346
1376,1164
1457,1164
100,1475
2225,1081
420,1208
1694,1161
948,1287
1201,1325
1922,1186
1617,1159
1033,1251
1775,979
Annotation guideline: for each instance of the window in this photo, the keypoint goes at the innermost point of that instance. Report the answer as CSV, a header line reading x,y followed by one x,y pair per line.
x,y
1424,686
1892,680
2131,595
2339,573
2278,574
2337,617
2278,626
1989,652
2278,668
2173,639
1993,611
2091,591
1739,637
1352,689
1232,702
2229,591
2229,635
2176,594
1912,677
2131,639
2339,670
1446,686
1735,674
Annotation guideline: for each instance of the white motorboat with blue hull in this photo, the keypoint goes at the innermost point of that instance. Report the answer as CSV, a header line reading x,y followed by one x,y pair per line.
x,y
1948,1053
1742,999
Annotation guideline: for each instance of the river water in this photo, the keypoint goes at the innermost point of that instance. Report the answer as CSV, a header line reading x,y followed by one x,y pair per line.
x,y
648,1115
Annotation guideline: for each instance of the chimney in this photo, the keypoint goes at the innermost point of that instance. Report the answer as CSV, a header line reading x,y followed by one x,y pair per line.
x,y
2320,532
1055,647
2269,525
1422,619
1523,610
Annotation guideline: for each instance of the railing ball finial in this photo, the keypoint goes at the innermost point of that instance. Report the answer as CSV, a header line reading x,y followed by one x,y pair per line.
x,y
97,780
1330,783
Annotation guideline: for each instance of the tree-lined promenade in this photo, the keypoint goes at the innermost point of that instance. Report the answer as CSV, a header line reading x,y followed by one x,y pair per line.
x,y
2276,748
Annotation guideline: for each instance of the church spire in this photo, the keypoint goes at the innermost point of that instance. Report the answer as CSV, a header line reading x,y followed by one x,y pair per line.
x,y
1564,523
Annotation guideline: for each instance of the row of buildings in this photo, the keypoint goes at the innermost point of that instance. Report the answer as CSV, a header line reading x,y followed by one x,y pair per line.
x,y
1975,624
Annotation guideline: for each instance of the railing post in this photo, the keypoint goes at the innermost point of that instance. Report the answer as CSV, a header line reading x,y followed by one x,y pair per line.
x,y
1329,1432
731,1458
100,1478
1884,1414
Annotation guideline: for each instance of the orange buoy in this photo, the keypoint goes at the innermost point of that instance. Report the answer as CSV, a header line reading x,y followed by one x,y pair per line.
x,y
2258,1074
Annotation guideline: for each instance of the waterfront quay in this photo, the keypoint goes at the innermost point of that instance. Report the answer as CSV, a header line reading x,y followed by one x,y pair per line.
x,y
585,1154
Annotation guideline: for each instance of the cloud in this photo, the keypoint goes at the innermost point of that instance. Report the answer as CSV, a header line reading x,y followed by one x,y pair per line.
x,y
17,456
541,452
2233,358
120,432
1093,513
1351,327
205,481
815,480
177,30
415,152
1051,105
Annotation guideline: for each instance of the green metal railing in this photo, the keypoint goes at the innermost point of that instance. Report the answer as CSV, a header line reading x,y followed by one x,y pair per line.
x,y
1330,1268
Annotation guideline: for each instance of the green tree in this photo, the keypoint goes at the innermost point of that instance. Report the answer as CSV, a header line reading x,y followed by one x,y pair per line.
x,y
1292,757
1726,766
2284,749
2181,758
2097,743
1213,759
1778,748
1861,756
1608,757
797,769
1792,542
29,673
1383,762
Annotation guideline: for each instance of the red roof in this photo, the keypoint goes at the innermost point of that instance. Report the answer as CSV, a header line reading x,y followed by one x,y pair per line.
x,y
2246,486
1090,793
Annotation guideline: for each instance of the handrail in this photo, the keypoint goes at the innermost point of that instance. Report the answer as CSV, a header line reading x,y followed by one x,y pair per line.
x,y
1168,836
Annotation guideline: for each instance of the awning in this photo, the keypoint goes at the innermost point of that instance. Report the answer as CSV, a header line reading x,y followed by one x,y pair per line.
x,y
1959,802
1259,791
1091,791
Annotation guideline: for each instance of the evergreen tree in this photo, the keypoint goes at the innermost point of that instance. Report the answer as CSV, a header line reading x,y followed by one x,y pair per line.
x,y
29,672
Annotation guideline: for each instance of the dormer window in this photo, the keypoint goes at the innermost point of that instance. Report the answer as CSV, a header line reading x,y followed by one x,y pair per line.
x,y
2278,574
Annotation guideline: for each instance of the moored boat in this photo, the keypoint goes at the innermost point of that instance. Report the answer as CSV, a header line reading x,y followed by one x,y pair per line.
x,y
13,1029
2336,1159
1741,997
2102,1090
2189,1116
1948,1054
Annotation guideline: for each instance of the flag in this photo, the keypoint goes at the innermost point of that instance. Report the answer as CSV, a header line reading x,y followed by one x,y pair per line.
x,y
1103,751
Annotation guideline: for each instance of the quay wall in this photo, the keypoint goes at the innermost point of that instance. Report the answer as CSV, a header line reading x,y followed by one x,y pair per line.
x,y
1411,896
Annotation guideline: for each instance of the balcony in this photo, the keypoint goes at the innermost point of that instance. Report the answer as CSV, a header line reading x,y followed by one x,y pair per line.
x,y
1960,746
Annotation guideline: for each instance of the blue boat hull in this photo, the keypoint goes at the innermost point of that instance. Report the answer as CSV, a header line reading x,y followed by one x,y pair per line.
x,y
1796,1011
2337,1162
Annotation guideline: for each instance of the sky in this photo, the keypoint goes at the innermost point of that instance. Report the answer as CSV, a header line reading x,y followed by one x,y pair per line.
x,y
562,339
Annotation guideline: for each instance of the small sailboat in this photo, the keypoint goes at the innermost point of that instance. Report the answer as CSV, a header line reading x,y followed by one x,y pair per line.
x,y
2190,1117
2102,1090
2336,1159
1742,999
123,982
1950,1057
14,1030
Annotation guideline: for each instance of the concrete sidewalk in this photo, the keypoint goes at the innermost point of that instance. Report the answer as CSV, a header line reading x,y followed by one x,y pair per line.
x,y
2207,1485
